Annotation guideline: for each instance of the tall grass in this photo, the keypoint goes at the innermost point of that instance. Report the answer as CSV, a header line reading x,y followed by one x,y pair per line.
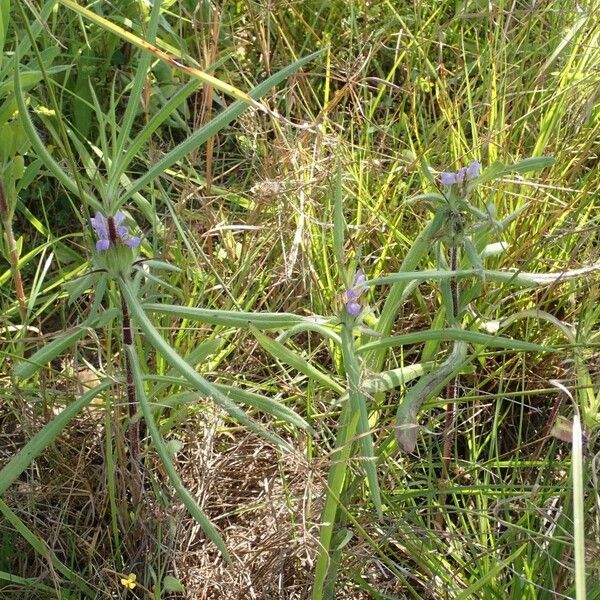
x,y
271,412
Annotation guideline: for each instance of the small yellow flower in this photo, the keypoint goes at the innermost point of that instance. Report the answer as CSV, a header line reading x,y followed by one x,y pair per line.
x,y
129,581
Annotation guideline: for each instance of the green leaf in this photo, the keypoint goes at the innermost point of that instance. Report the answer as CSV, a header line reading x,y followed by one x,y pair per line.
x,y
50,351
419,249
284,354
213,127
358,401
42,151
264,404
172,584
454,334
536,163
42,548
271,407
45,437
232,318
425,388
206,388
338,221
165,456
4,21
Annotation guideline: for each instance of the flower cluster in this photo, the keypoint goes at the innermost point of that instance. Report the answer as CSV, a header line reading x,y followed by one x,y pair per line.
x,y
129,582
111,231
354,293
462,175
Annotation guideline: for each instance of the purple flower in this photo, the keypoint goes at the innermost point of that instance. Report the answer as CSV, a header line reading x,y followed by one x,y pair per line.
x,y
462,175
111,231
354,293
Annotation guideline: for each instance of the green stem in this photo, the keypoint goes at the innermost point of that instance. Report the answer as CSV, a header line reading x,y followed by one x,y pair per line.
x,y
12,253
419,249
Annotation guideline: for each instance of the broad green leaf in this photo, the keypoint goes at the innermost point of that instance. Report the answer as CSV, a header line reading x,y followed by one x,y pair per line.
x,y
264,404
172,584
388,380
335,485
50,351
29,79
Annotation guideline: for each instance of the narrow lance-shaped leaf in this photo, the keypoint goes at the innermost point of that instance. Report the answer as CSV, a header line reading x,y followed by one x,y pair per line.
x,y
165,458
425,388
284,354
358,401
233,318
450,334
44,437
335,485
206,388
213,127
419,249
51,350
338,220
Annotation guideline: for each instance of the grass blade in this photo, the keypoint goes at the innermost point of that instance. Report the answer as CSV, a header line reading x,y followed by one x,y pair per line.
x,y
213,127
284,354
207,79
578,508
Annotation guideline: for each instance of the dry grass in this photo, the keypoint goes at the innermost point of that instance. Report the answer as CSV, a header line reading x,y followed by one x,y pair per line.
x,y
261,500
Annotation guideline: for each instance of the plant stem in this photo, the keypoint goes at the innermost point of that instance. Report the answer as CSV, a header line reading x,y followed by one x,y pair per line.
x,y
452,389
134,425
12,254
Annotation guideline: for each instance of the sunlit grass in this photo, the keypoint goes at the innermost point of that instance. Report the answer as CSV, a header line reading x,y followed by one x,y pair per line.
x,y
248,220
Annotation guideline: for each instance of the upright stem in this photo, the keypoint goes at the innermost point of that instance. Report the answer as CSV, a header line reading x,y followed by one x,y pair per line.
x,y
134,425
13,254
452,389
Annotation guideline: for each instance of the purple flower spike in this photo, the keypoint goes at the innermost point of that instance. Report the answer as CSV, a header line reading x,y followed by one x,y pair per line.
x,y
473,170
100,225
448,178
354,293
133,242
462,175
111,231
